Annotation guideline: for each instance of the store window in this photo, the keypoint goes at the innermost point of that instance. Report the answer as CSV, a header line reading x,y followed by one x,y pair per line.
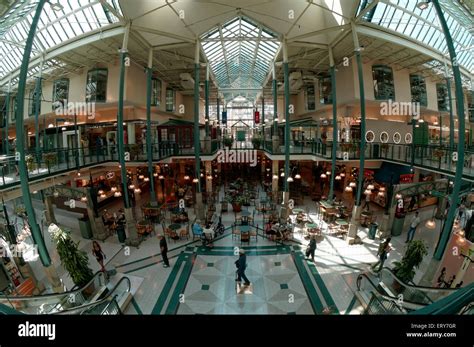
x,y
310,98
384,88
325,90
442,94
60,93
155,92
170,100
32,103
96,86
13,108
418,90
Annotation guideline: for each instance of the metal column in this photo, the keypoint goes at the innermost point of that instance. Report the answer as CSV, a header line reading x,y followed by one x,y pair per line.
x,y
25,189
275,102
287,120
334,125
149,150
460,150
197,142
362,114
206,101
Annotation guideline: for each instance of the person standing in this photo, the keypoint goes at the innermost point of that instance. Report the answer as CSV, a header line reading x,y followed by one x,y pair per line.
x,y
367,202
415,221
311,248
164,251
241,265
382,253
99,255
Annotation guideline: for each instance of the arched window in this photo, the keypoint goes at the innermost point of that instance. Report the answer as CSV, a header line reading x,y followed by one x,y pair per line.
x,y
384,88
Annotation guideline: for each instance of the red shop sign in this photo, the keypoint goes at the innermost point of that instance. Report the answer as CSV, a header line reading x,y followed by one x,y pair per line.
x,y
407,178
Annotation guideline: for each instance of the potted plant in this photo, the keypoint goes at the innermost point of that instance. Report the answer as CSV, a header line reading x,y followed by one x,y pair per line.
x,y
405,269
30,162
228,141
74,260
256,141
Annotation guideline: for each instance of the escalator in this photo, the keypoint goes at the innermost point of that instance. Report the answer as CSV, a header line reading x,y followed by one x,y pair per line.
x,y
98,296
392,296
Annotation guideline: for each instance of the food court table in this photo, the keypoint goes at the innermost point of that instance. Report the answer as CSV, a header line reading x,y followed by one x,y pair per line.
x,y
313,229
175,226
298,210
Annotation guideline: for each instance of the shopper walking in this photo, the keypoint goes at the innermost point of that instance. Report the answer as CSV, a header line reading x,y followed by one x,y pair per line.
x,y
241,265
415,221
382,253
311,248
164,251
367,202
99,255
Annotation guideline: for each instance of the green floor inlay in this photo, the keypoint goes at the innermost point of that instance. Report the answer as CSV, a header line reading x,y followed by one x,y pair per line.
x,y
136,307
308,285
181,285
322,287
351,305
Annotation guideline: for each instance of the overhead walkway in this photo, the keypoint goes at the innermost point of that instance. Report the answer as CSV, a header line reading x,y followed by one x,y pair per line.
x,y
387,294
60,161
99,296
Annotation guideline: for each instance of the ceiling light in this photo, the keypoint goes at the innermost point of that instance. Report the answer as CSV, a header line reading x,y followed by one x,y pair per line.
x,y
195,180
186,177
352,184
132,186
282,174
50,125
161,177
370,187
422,5
289,179
298,176
155,174
146,179
101,192
84,199
141,177
323,175
117,194
63,128
348,189
275,177
102,196
338,177
137,190
343,174
430,224
113,189
328,173
367,192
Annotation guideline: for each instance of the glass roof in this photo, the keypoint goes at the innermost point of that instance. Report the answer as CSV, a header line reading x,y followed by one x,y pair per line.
x,y
404,17
240,54
56,25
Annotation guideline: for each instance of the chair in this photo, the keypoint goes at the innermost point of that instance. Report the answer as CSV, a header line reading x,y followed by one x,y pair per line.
x,y
184,233
238,218
253,233
244,237
235,231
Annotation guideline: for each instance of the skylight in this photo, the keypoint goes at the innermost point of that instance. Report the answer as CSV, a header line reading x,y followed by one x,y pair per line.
x,y
240,54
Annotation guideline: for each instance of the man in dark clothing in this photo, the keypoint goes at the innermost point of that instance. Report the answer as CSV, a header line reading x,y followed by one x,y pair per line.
x,y
311,248
164,251
241,264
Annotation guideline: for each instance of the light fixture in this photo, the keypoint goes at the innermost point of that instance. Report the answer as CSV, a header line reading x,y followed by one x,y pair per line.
x,y
352,184
348,189
202,175
101,192
186,177
370,187
398,196
282,174
422,5
268,169
380,194
66,123
50,125
382,189
195,180
289,179
161,177
338,177
323,175
328,173
421,120
113,189
78,174
275,177
63,128
132,186
137,190
209,177
343,174
430,224
84,199
29,133
298,176
435,123
367,192
102,196
35,192
146,179
117,194
56,6
155,174
140,177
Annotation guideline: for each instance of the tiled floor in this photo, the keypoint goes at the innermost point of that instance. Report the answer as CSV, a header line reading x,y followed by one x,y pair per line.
x,y
203,282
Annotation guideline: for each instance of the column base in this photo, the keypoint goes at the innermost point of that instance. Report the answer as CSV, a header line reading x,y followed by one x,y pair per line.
x,y
199,208
384,229
352,237
427,278
132,239
53,279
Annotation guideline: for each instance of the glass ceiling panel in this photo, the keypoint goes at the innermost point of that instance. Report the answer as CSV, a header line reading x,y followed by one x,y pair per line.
x,y
55,26
400,16
240,54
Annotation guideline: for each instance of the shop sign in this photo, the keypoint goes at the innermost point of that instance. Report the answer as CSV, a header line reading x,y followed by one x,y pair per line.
x,y
110,175
407,178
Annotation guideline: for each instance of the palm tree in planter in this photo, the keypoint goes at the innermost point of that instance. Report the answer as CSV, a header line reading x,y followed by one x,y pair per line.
x,y
72,258
405,269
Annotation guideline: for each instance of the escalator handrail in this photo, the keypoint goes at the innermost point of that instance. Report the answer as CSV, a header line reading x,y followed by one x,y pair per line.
x,y
98,302
417,287
52,295
383,294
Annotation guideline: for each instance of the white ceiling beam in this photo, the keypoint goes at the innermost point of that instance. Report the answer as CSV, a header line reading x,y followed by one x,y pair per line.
x,y
163,33
72,44
320,32
373,30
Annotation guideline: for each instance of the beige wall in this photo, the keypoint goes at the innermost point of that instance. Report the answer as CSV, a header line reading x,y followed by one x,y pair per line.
x,y
344,83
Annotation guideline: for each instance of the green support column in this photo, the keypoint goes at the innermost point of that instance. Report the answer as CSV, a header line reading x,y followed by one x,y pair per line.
x,y
413,123
25,189
206,101
287,122
263,117
121,146
149,151
451,115
37,97
218,109
275,103
197,140
460,150
6,146
440,130
334,125
76,137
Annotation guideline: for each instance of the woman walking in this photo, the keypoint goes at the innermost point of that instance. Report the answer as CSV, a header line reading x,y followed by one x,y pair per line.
x,y
382,253
99,255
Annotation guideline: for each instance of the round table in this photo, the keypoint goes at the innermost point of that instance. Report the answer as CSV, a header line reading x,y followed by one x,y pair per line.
x,y
312,228
245,213
298,210
175,226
